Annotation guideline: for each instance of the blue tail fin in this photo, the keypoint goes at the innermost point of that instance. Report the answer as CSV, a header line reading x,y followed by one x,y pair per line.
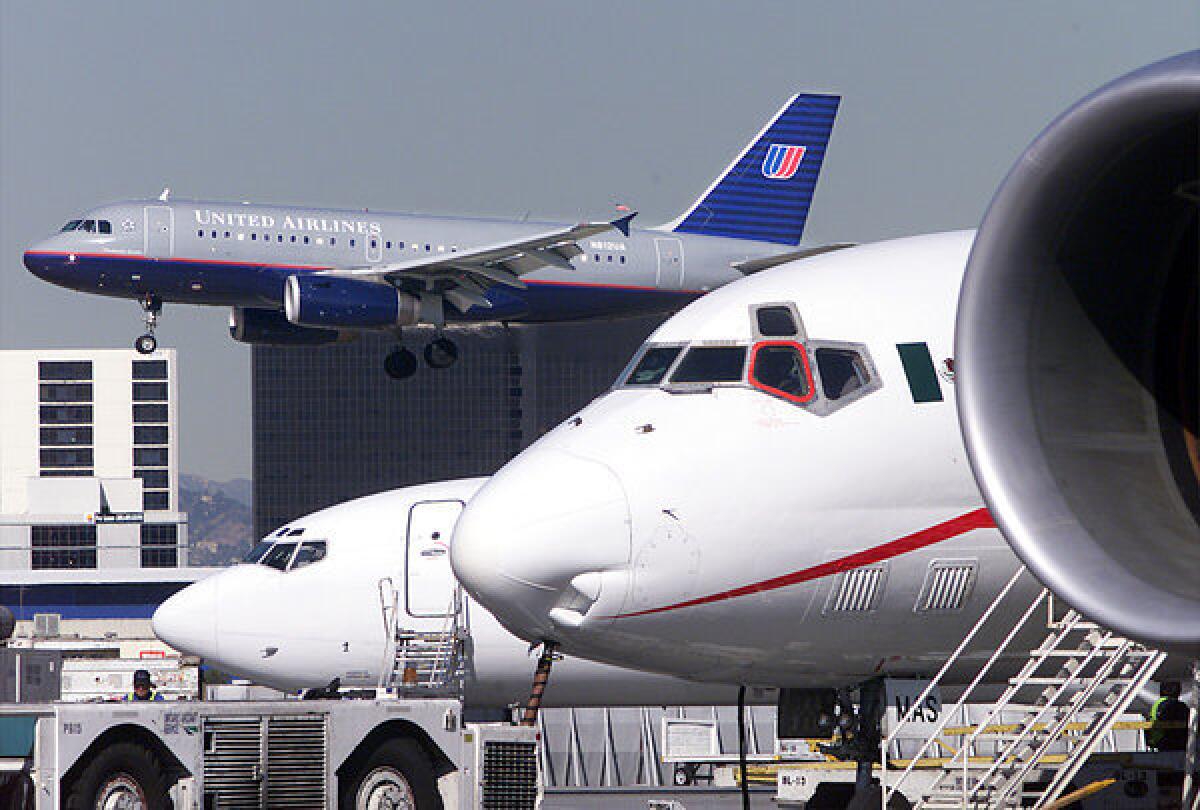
x,y
765,193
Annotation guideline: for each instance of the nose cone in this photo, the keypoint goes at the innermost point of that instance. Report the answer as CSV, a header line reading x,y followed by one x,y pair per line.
x,y
38,259
533,544
188,620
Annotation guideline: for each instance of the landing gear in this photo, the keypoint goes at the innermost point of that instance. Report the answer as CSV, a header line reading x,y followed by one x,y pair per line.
x,y
441,352
400,364
151,308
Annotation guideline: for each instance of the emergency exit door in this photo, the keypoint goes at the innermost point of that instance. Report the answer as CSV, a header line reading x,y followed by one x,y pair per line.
x,y
430,583
670,263
159,231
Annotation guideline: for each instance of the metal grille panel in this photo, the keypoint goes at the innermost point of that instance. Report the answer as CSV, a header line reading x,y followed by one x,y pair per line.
x,y
857,591
296,752
509,775
947,585
233,762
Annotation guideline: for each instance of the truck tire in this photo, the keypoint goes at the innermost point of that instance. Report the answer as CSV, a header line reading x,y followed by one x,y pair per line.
x,y
124,774
397,773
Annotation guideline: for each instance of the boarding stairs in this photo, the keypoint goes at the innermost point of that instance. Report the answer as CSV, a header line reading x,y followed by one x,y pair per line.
x,y
423,661
1050,719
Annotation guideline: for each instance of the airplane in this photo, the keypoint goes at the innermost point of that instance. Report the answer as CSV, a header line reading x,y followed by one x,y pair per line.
x,y
308,276
777,490
313,601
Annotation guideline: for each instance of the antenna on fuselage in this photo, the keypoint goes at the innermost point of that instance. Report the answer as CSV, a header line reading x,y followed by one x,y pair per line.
x,y
166,193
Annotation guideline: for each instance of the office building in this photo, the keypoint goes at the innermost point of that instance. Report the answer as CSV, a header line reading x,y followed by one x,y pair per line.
x,y
330,425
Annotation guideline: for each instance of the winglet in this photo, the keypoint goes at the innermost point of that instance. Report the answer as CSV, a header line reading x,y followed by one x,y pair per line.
x,y
622,223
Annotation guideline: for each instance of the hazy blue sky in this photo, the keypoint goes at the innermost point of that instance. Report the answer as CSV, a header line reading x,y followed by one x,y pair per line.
x,y
554,108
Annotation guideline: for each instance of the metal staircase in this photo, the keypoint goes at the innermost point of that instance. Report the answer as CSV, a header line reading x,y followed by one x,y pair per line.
x,y
423,661
1066,698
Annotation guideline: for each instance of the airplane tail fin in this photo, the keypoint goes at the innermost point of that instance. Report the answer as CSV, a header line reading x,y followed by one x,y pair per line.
x,y
765,192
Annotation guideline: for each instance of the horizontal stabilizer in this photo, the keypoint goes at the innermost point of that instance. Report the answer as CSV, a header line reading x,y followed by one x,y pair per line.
x,y
755,265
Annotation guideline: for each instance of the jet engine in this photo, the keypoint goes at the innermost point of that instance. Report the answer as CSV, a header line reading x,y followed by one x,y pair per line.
x,y
1076,353
332,302
270,327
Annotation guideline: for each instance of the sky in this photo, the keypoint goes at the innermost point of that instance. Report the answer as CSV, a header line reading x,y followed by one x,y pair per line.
x,y
541,107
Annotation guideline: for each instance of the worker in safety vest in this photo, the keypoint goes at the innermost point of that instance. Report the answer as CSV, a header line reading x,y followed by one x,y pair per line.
x,y
143,687
1168,720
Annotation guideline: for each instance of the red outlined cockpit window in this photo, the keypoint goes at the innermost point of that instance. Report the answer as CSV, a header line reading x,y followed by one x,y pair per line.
x,y
781,368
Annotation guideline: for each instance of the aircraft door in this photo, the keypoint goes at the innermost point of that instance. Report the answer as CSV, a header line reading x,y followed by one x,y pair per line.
x,y
159,231
670,263
429,583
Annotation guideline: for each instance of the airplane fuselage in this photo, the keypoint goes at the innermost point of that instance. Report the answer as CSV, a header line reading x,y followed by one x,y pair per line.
x,y
231,254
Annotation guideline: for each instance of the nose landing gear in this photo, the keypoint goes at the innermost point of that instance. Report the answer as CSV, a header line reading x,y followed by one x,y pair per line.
x,y
400,364
439,353
151,308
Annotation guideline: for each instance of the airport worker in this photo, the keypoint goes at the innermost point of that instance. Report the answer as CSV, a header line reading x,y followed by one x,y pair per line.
x,y
1168,720
143,687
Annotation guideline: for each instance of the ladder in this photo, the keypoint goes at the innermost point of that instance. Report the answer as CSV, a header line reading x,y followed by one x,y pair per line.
x,y
423,661
1066,697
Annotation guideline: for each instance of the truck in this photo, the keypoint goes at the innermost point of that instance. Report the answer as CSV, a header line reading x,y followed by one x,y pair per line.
x,y
384,752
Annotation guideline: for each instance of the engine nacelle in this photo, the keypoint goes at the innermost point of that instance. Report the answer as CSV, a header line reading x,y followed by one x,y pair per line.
x,y
332,302
270,327
1076,354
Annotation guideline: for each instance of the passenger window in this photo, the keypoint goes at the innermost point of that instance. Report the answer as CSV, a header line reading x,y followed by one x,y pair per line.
x,y
782,369
653,366
351,243
253,237
842,372
306,240
776,322
226,234
255,554
332,240
710,364
105,226
278,556
200,233
311,551
214,234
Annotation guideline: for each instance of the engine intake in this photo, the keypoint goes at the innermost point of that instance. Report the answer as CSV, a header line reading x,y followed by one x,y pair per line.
x,y
334,302
1077,355
270,327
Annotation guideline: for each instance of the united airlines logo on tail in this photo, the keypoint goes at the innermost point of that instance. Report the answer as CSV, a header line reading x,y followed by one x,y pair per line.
x,y
782,161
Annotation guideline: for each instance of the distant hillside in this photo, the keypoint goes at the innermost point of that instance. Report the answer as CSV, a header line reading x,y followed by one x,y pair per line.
x,y
220,524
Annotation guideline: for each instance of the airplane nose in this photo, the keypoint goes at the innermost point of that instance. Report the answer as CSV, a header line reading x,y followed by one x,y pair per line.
x,y
188,620
534,544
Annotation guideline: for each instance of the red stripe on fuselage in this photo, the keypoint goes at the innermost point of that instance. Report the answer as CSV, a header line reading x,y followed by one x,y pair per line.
x,y
979,519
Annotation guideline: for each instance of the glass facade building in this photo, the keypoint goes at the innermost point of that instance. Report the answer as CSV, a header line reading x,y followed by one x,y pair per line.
x,y
330,425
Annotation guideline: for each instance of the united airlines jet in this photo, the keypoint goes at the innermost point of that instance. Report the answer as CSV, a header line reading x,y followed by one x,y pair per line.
x,y
306,276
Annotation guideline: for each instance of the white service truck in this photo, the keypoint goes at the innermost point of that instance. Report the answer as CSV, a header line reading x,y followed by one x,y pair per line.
x,y
389,752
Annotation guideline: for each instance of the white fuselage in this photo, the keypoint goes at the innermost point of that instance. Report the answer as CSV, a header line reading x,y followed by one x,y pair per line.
x,y
305,626
723,532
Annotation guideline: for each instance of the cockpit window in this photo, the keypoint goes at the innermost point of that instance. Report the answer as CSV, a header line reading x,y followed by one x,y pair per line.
x,y
72,225
105,226
311,551
255,554
776,322
711,364
842,372
653,366
782,369
88,225
279,555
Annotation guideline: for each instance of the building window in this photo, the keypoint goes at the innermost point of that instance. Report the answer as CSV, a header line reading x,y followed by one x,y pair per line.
x,y
145,456
66,456
65,392
156,501
65,370
64,546
149,369
143,391
149,413
150,434
66,436
65,414
152,479
160,545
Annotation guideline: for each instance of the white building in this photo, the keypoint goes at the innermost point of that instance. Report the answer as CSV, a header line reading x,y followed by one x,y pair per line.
x,y
89,460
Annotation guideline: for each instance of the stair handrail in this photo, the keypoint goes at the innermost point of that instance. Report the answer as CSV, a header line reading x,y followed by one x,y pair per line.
x,y
890,790
390,614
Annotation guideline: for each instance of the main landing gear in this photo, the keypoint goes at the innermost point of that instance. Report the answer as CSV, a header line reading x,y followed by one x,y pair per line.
x,y
439,353
151,308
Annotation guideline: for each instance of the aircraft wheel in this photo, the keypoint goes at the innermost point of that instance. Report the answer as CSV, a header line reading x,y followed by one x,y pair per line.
x,y
396,774
400,364
441,353
121,775
146,344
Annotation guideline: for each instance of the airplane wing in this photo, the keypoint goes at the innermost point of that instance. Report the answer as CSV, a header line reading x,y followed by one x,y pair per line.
x,y
475,269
